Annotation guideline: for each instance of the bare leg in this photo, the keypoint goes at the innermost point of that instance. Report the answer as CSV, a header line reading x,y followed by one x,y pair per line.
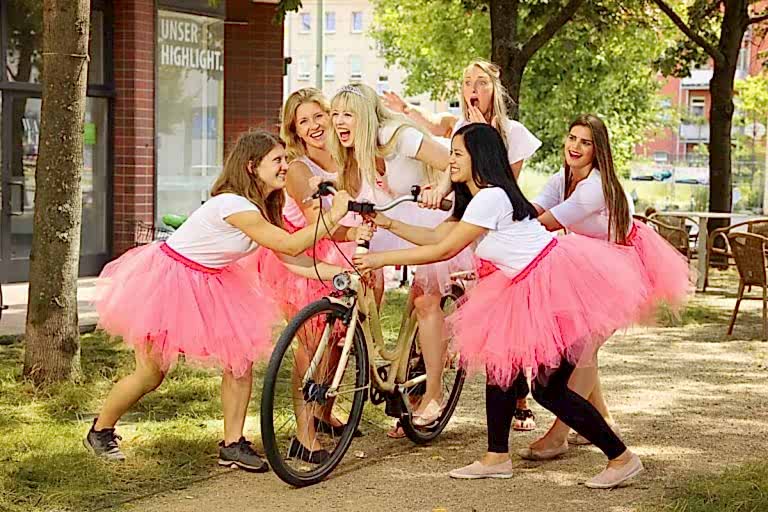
x,y
598,400
145,378
433,345
235,395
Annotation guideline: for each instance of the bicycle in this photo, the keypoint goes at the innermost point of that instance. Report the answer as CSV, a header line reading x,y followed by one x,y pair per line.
x,y
321,369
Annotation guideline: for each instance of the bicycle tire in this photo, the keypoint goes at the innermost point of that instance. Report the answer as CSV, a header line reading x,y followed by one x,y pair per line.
x,y
425,435
269,437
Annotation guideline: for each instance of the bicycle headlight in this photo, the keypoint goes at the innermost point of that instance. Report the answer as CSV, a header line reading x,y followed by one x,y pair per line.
x,y
342,281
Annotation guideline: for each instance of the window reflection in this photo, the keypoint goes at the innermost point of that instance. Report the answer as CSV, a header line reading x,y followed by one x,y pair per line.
x,y
24,60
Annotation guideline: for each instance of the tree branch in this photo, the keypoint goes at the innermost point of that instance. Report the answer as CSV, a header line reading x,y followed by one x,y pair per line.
x,y
549,29
758,19
708,47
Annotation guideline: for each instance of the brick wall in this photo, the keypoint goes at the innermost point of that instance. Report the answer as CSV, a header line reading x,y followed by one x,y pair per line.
x,y
253,69
134,128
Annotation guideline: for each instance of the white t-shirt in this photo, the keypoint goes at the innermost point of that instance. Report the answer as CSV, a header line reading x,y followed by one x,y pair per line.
x,y
521,143
402,169
206,238
585,211
509,244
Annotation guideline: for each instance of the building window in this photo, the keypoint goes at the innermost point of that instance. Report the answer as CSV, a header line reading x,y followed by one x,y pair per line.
x,y
329,67
190,110
660,157
355,67
743,63
306,22
330,22
382,84
357,22
697,105
303,65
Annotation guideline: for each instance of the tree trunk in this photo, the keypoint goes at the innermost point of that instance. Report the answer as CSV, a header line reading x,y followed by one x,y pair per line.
x,y
506,49
732,31
52,336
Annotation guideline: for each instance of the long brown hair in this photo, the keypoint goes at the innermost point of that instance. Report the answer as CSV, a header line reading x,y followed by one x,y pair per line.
x,y
615,197
251,147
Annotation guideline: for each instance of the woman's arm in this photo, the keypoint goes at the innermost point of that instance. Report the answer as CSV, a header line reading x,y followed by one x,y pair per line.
x,y
272,237
304,266
547,219
415,234
439,125
298,187
458,238
516,168
433,154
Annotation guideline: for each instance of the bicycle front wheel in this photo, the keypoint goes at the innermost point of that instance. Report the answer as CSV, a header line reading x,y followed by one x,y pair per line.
x,y
306,429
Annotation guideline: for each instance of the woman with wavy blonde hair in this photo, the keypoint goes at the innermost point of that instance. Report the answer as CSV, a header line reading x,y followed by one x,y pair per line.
x,y
382,155
483,100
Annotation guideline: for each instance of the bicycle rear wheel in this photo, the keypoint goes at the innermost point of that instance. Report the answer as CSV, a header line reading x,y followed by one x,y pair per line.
x,y
297,419
452,381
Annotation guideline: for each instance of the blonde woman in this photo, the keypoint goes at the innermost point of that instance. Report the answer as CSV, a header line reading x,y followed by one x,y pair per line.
x,y
483,100
382,155
305,128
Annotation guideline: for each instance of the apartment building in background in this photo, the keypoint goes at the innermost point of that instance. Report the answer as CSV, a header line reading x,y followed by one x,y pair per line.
x,y
691,97
349,53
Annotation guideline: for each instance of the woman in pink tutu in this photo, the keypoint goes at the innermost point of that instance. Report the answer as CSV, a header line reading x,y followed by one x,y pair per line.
x,y
586,197
382,155
550,304
305,129
190,296
483,100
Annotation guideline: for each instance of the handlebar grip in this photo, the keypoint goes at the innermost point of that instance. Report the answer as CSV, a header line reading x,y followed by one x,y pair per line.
x,y
446,205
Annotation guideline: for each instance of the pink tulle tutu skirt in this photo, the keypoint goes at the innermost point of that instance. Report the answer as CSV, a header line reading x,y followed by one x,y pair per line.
x,y
291,291
563,305
665,271
159,301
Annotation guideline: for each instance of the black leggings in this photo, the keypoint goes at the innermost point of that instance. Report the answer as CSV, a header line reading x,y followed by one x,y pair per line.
x,y
555,396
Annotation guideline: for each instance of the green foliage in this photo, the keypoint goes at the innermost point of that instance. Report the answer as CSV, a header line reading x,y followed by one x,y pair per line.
x,y
600,62
741,489
705,18
752,96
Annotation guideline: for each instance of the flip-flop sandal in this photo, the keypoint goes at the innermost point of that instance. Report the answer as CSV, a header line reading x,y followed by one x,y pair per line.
x,y
525,420
397,431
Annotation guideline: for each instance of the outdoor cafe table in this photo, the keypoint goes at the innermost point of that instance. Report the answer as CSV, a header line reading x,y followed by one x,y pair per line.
x,y
703,235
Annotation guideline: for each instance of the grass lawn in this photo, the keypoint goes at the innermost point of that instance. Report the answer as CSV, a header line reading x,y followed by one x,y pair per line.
x,y
170,437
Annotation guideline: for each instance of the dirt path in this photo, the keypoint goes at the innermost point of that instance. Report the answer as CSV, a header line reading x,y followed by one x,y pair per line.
x,y
687,400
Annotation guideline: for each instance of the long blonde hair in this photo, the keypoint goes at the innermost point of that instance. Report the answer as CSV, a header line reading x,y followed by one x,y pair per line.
x,y
615,197
251,147
359,162
500,96
294,146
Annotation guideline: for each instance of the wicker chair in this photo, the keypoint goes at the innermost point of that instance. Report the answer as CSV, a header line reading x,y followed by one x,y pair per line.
x,y
684,223
145,233
725,253
675,235
749,252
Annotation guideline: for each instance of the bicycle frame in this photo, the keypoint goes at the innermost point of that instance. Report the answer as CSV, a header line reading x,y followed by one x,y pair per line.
x,y
362,301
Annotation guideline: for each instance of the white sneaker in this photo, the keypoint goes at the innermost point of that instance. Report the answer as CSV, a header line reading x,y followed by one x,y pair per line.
x,y
477,470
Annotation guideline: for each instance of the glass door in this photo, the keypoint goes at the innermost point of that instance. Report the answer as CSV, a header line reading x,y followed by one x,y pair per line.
x,y
19,153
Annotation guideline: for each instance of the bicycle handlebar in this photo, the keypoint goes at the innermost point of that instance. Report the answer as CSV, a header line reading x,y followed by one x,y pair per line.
x,y
365,208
